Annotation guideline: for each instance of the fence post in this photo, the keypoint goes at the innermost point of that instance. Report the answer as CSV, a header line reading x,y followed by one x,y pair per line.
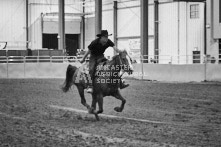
x,y
205,68
24,61
7,65
141,57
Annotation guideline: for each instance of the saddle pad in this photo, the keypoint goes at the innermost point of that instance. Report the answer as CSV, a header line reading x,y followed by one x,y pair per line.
x,y
84,68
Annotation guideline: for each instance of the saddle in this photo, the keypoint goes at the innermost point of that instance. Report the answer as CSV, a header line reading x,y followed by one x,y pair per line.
x,y
100,64
85,66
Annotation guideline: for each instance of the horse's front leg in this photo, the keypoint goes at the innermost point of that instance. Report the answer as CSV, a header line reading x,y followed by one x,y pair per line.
x,y
119,96
96,98
100,103
92,109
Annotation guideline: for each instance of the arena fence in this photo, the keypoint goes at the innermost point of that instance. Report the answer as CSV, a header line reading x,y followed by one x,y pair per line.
x,y
55,67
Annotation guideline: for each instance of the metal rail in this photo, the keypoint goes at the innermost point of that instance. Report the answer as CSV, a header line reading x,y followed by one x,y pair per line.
x,y
151,59
29,59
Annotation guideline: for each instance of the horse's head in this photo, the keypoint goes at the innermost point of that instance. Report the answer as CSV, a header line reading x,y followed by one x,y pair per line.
x,y
125,62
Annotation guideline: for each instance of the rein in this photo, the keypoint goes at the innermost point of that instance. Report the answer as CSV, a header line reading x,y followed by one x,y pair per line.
x,y
121,63
120,60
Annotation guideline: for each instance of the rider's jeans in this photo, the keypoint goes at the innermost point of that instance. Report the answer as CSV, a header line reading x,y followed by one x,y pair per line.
x,y
92,65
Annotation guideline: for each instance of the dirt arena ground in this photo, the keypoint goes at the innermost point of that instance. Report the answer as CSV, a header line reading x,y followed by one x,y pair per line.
x,y
35,112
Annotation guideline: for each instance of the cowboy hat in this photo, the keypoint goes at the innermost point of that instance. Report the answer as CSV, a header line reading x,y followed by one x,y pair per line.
x,y
103,33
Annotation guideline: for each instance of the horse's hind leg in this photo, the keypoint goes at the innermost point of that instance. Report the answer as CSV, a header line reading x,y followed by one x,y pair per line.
x,y
83,100
118,96
93,104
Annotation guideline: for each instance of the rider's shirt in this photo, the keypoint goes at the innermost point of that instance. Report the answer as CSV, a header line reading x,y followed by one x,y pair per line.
x,y
97,48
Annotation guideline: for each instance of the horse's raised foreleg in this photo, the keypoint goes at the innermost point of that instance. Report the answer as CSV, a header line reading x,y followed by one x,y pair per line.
x,y
83,100
118,96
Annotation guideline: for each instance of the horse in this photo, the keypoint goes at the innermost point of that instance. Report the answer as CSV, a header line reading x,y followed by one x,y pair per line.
x,y
106,81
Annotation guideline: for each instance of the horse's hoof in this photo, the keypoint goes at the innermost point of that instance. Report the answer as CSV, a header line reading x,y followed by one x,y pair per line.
x,y
91,111
118,109
99,111
97,117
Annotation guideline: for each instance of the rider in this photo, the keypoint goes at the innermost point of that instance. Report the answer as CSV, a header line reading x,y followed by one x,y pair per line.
x,y
96,50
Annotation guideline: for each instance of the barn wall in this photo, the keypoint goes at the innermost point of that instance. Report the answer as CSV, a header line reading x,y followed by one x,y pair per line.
x,y
183,27
71,27
89,30
212,43
47,24
190,34
107,20
180,36
13,18
35,34
216,21
168,31
128,22
195,33
12,26
172,42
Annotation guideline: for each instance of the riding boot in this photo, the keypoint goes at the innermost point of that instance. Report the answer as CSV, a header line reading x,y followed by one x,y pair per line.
x,y
90,86
122,84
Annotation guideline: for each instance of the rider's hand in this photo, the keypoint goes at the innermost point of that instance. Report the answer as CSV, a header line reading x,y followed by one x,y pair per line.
x,y
82,61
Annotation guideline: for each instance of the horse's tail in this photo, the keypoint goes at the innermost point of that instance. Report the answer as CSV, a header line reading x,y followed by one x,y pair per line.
x,y
69,78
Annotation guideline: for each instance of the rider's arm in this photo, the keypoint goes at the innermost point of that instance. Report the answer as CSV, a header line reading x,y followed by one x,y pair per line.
x,y
116,49
85,56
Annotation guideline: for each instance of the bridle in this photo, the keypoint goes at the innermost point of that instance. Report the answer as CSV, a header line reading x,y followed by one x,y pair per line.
x,y
121,62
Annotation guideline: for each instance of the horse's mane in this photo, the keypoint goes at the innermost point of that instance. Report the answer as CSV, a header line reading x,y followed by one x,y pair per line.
x,y
114,57
124,51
